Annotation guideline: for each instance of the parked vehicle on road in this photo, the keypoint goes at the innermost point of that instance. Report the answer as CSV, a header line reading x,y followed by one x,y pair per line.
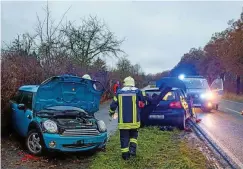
x,y
203,96
58,115
171,110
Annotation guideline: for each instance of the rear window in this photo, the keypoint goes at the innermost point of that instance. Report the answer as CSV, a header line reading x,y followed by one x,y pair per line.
x,y
169,96
152,93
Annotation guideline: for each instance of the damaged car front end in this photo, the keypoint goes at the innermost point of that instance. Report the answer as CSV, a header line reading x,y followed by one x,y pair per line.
x,y
62,116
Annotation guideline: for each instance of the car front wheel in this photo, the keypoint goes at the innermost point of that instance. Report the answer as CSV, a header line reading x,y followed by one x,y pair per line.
x,y
34,142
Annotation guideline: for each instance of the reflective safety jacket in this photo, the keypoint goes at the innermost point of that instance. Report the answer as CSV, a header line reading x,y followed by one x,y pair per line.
x,y
127,100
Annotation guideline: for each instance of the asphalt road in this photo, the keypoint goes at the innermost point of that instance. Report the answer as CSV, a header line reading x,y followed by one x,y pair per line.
x,y
103,114
225,127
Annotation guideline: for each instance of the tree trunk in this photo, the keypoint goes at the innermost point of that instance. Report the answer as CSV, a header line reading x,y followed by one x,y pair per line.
x,y
238,85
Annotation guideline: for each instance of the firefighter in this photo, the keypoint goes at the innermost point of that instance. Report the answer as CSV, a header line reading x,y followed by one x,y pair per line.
x,y
129,101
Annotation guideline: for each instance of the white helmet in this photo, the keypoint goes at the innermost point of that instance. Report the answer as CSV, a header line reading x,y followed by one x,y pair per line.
x,y
129,81
86,76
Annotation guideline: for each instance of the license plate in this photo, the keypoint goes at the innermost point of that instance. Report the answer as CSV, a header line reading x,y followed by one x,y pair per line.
x,y
156,116
196,104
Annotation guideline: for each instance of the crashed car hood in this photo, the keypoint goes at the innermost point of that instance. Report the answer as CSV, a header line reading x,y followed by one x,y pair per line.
x,y
68,91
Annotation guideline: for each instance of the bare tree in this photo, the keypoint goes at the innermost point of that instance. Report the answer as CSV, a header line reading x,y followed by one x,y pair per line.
x,y
50,38
23,45
90,40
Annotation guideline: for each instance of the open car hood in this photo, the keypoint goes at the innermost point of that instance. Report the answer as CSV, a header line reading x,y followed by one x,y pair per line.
x,y
69,90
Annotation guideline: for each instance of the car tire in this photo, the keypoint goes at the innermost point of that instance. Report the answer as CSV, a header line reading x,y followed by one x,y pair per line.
x,y
182,123
34,143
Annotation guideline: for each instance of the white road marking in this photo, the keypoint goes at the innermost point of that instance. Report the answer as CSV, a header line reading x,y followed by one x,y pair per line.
x,y
234,110
226,150
232,101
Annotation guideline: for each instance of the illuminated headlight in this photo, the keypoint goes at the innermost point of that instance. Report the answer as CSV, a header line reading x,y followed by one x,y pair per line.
x,y
101,126
50,126
203,96
208,95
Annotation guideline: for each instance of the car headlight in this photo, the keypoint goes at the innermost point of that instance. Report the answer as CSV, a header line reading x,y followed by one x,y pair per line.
x,y
203,96
101,126
208,95
50,126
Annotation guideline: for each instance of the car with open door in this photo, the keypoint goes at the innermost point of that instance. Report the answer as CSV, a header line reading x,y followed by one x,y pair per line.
x,y
58,115
167,105
202,95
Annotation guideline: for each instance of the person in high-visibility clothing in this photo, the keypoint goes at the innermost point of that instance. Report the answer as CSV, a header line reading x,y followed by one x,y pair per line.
x,y
129,101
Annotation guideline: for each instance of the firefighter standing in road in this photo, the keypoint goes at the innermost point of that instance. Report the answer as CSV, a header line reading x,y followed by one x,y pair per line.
x,y
129,101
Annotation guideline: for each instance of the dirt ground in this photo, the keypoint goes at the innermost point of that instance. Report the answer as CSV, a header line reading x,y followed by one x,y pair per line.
x,y
215,162
13,152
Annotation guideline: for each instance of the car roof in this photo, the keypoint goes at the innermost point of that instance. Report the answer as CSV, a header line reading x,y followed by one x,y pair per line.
x,y
196,77
29,88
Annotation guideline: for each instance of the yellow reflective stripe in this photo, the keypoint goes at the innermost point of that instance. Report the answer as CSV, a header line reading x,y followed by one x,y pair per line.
x,y
120,109
124,150
133,140
143,93
111,111
128,125
115,98
133,109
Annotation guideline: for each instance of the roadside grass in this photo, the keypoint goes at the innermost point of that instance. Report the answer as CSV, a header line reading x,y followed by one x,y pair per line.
x,y
156,150
233,97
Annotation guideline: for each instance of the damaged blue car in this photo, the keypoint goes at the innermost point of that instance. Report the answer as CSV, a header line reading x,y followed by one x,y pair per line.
x,y
59,115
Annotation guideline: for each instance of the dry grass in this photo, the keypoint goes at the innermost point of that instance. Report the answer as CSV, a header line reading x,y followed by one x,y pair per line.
x,y
233,97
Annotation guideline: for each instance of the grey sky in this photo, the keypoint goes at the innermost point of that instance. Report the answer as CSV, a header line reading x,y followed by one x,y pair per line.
x,y
157,33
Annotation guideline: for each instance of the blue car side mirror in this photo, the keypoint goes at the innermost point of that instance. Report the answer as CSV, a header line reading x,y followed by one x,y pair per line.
x,y
21,107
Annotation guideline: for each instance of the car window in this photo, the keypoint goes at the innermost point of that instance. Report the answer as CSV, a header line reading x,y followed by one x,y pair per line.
x,y
17,97
192,83
152,93
27,99
169,96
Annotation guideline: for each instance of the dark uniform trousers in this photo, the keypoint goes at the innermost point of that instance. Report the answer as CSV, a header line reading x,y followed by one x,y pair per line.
x,y
128,138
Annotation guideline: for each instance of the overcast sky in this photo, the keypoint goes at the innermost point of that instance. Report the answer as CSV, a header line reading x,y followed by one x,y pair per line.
x,y
157,33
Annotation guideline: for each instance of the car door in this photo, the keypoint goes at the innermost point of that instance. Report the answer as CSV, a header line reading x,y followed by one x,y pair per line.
x,y
23,117
184,103
14,102
217,88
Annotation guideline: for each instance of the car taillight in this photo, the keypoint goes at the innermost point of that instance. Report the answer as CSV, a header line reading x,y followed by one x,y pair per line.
x,y
175,105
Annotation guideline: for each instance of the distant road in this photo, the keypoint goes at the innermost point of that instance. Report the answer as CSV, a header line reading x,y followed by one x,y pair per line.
x,y
225,127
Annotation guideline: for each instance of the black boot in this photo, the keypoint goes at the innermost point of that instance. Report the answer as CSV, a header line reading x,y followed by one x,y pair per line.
x,y
126,156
